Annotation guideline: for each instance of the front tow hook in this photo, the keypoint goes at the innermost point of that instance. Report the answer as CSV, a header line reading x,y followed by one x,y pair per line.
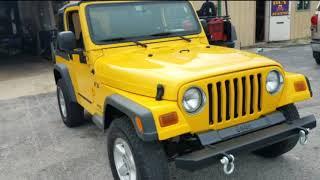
x,y
228,163
303,135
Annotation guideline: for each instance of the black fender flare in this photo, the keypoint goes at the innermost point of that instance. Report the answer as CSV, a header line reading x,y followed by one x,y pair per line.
x,y
132,109
64,74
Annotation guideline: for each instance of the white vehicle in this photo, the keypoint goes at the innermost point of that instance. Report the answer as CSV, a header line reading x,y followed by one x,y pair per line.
x,y
315,35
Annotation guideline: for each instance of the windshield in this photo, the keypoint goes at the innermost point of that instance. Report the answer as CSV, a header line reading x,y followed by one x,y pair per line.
x,y
140,20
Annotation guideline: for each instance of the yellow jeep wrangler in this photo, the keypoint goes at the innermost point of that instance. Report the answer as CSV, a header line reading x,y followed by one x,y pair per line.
x,y
145,71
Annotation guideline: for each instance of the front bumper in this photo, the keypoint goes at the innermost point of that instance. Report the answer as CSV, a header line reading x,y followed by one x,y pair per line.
x,y
315,45
248,142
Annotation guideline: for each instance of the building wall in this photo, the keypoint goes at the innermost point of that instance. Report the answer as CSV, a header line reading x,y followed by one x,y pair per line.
x,y
243,17
197,4
300,20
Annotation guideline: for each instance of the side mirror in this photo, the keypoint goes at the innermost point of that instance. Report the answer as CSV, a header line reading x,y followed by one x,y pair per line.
x,y
66,41
204,25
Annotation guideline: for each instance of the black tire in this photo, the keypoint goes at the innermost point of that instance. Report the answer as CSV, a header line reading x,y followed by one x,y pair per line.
x,y
291,113
149,157
74,112
316,56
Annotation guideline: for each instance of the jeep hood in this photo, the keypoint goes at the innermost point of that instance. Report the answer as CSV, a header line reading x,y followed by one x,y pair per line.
x,y
139,70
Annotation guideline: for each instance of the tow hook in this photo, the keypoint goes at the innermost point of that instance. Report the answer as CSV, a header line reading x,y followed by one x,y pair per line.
x,y
303,135
228,163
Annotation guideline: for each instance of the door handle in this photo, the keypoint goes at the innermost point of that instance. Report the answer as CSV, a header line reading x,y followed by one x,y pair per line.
x,y
280,22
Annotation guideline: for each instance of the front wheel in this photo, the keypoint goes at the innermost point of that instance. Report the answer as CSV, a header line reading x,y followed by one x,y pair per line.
x,y
72,113
290,112
131,158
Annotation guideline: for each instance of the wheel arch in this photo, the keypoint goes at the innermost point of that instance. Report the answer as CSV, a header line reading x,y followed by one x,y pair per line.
x,y
57,75
117,105
60,71
112,113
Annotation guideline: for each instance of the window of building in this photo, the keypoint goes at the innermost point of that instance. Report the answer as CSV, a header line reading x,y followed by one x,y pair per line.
x,y
303,5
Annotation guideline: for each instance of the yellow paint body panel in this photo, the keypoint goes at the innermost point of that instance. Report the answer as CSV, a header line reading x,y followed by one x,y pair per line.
x,y
134,72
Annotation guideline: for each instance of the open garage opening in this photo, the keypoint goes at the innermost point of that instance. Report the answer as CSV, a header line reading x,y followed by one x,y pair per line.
x,y
27,29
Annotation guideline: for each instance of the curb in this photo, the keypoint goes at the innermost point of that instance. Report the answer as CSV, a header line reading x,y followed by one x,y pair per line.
x,y
278,44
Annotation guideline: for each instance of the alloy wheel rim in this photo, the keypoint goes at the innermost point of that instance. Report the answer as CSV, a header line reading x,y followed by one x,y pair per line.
x,y
62,103
124,160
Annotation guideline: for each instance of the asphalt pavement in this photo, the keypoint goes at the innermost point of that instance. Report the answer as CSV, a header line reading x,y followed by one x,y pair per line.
x,y
34,143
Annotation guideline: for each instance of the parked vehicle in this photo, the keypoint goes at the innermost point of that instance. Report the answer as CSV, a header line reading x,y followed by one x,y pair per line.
x,y
315,35
220,30
146,72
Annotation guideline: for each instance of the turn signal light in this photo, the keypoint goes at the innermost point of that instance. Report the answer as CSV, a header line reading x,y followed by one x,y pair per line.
x,y
300,86
168,119
139,124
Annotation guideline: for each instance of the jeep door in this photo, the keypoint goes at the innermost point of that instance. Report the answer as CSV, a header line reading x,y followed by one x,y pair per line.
x,y
81,65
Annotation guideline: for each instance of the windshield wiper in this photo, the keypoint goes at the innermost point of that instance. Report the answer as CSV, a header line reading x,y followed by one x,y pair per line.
x,y
113,39
162,34
123,39
170,33
139,43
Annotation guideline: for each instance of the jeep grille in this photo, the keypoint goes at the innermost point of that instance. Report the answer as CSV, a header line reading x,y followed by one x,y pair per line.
x,y
235,98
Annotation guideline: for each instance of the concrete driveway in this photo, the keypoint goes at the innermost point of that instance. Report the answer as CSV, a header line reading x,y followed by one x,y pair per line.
x,y
34,143
25,75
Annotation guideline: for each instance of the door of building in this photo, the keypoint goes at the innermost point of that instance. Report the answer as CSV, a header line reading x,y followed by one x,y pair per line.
x,y
279,20
260,21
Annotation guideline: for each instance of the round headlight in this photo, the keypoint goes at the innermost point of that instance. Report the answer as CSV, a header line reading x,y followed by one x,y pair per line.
x,y
274,81
193,99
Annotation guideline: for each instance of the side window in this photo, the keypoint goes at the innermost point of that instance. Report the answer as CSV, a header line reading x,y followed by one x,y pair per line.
x,y
74,26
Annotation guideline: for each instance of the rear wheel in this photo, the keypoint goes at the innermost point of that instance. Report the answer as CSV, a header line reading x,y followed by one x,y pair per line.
x,y
72,113
291,113
131,158
316,56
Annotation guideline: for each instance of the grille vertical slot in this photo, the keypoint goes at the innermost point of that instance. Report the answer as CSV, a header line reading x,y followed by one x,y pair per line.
x,y
227,99
259,92
219,101
235,85
243,79
210,104
251,94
